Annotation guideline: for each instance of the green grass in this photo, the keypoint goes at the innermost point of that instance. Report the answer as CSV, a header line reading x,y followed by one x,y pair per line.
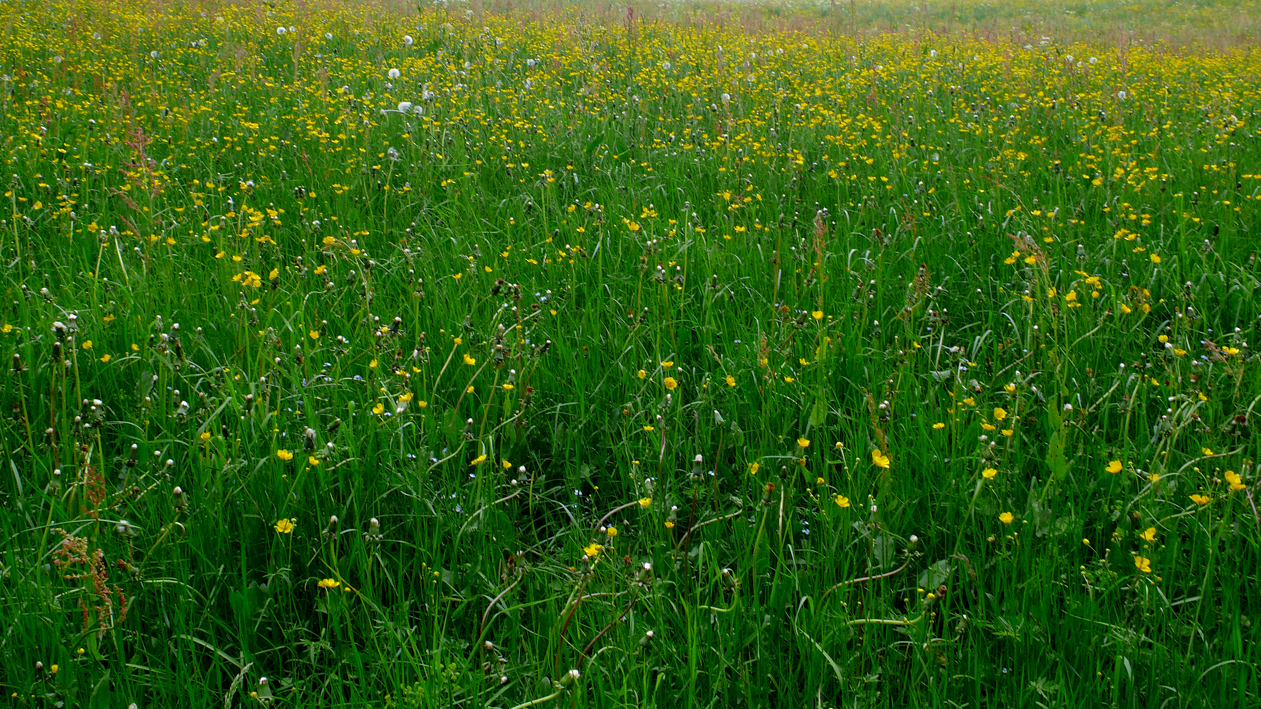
x,y
585,367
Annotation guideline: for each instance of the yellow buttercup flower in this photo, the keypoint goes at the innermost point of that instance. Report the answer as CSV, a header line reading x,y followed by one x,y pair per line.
x,y
842,501
670,383
284,454
880,459
1143,564
284,526
803,442
329,583
1114,467
1007,518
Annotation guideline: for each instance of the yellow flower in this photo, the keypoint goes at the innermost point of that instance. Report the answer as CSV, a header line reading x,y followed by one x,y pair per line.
x,y
1206,451
1000,413
1143,564
989,473
669,524
645,501
842,501
818,314
329,583
205,436
378,409
312,460
6,329
478,460
938,426
649,429
670,383
1236,482
1126,309
803,442
880,459
1200,499
469,360
87,345
592,550
753,467
406,397
506,464
1155,258
284,454
612,532
1114,467
372,364
641,374
1148,535
731,381
284,526
667,364
1008,432
314,334
1006,518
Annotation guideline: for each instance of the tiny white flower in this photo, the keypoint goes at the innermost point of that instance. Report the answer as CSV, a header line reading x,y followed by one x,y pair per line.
x,y
395,73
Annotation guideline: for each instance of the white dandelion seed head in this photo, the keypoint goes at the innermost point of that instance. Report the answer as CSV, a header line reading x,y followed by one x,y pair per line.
x,y
395,73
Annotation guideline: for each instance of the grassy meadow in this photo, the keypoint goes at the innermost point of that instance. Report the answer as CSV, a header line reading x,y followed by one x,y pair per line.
x,y
582,355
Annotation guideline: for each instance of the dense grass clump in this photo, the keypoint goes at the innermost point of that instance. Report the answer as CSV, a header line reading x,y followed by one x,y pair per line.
x,y
489,356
